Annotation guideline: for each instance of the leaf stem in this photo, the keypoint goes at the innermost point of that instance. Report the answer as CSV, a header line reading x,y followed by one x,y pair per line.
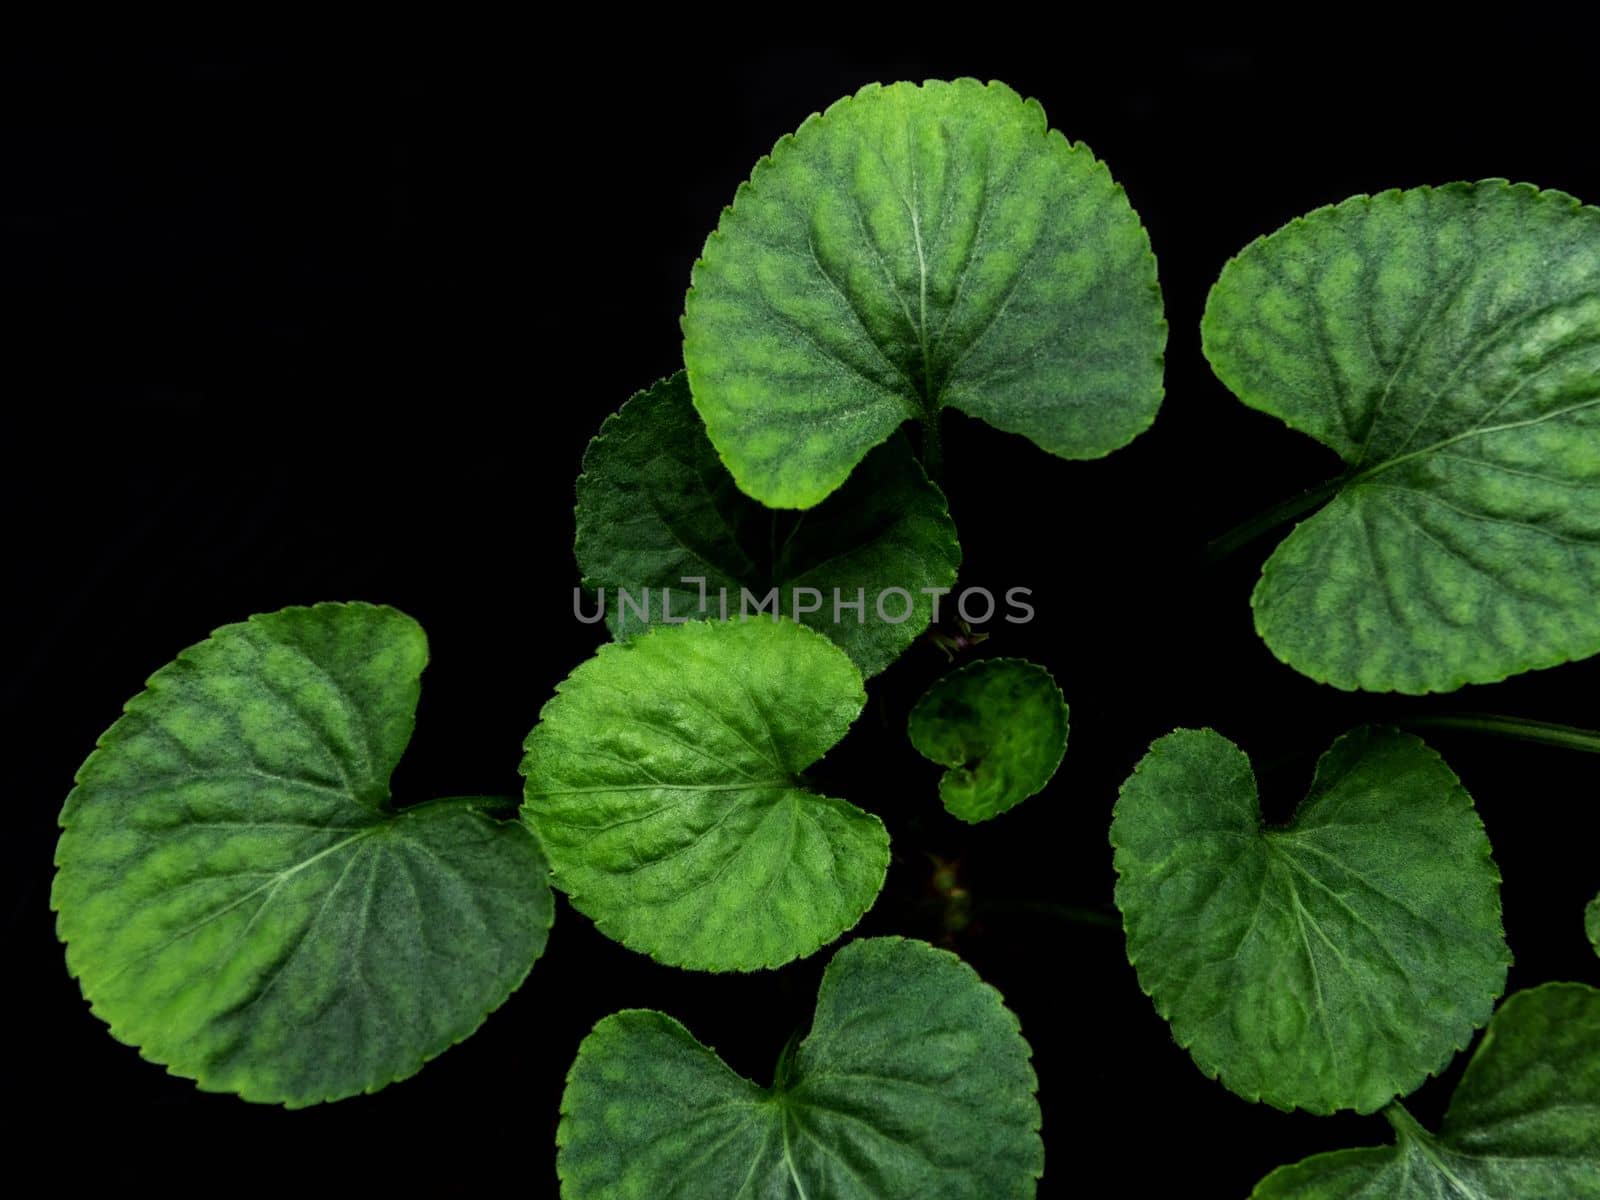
x,y
1544,732
1243,534
932,448
783,1074
1077,914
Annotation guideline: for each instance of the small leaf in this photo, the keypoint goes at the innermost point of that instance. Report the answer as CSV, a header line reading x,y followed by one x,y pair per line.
x,y
913,1084
1333,962
237,897
1524,1123
656,506
1000,725
664,781
916,248
1445,342
1591,923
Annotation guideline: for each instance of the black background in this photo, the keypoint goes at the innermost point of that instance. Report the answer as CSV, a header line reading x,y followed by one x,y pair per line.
x,y
285,328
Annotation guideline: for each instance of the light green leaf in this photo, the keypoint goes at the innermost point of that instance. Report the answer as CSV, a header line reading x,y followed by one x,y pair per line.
x,y
1333,962
240,902
916,248
1445,342
1000,725
1591,923
656,506
664,779
913,1084
1524,1123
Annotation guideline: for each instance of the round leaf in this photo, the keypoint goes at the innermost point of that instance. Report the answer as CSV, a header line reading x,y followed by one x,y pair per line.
x,y
656,506
1445,342
913,1083
239,901
1000,725
1524,1123
664,781
1333,962
913,248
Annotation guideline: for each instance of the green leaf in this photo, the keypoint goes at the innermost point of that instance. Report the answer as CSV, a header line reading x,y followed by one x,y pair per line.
x,y
1591,923
1524,1123
1000,725
656,506
240,902
916,248
664,781
1332,962
913,1083
1445,343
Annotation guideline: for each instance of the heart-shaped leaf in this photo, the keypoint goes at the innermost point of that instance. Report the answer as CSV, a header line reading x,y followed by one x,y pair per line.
x,y
1000,725
664,781
656,507
1333,962
913,1084
1445,342
1524,1123
237,897
916,248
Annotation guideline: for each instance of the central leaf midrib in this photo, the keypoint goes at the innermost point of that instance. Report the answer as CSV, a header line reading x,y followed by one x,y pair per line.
x,y
754,785
270,886
1361,477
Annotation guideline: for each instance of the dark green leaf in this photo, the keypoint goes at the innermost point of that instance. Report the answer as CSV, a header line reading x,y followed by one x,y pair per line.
x,y
913,1084
664,781
237,897
1445,342
1000,725
1523,1125
1333,962
916,248
656,506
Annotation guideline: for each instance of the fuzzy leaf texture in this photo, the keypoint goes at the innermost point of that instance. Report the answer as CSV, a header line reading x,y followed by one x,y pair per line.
x,y
1524,1123
237,896
913,1084
655,506
1333,962
916,248
1000,726
1445,343
664,780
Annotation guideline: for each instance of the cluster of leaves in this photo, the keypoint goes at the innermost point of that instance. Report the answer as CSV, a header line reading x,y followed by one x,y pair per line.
x,y
242,901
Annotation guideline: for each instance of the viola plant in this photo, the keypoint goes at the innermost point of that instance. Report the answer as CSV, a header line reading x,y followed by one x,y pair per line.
x,y
665,781
1000,726
913,1081
917,248
1445,343
659,516
243,900
1521,1122
1332,962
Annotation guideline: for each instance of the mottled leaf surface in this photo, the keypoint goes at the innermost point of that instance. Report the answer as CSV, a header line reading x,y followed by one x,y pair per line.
x,y
913,1084
1333,962
1000,725
911,249
1524,1123
1445,343
664,780
656,506
240,902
